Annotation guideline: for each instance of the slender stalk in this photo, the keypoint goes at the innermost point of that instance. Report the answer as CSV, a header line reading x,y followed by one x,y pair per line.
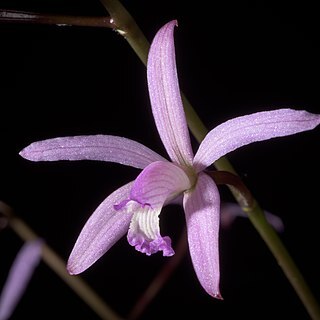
x,y
160,279
127,26
59,266
284,259
14,16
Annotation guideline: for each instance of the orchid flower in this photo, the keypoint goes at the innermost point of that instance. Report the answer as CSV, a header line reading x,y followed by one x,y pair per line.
x,y
135,207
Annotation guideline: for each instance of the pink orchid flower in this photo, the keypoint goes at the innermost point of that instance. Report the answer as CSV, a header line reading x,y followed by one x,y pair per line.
x,y
134,208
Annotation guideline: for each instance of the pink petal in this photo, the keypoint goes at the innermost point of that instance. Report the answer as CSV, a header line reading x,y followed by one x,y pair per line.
x,y
19,276
102,230
259,126
96,147
202,209
165,96
159,182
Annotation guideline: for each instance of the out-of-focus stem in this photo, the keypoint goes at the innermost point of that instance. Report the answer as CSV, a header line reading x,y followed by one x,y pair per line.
x,y
160,279
59,266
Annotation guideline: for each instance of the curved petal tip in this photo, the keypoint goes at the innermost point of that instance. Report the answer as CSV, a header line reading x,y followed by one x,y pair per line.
x,y
217,296
72,269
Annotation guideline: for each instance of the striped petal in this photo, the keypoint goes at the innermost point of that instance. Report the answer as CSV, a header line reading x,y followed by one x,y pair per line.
x,y
202,210
103,229
165,96
243,130
158,183
144,232
97,147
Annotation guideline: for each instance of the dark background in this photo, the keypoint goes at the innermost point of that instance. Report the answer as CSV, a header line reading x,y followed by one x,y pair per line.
x,y
233,58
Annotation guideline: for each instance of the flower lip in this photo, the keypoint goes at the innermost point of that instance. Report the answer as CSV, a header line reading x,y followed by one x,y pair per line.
x,y
144,231
152,246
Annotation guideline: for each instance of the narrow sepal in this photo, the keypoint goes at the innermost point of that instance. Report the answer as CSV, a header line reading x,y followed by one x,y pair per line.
x,y
97,147
102,230
202,210
259,126
165,96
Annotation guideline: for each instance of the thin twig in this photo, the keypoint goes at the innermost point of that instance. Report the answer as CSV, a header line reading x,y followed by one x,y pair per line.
x,y
160,279
13,16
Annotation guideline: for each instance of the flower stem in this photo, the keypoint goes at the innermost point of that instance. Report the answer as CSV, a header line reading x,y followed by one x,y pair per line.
x,y
127,27
290,269
59,266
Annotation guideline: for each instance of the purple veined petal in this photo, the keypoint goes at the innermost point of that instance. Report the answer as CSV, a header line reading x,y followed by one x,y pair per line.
x,y
96,147
259,126
159,182
19,276
202,210
165,96
230,211
102,230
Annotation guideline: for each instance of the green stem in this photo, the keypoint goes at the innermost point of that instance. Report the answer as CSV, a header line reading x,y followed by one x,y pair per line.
x,y
290,269
127,26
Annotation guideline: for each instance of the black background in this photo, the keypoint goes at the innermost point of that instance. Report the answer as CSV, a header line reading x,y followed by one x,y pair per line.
x,y
233,58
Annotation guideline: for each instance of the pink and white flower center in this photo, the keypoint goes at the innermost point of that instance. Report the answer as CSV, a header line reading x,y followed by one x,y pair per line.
x,y
144,231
